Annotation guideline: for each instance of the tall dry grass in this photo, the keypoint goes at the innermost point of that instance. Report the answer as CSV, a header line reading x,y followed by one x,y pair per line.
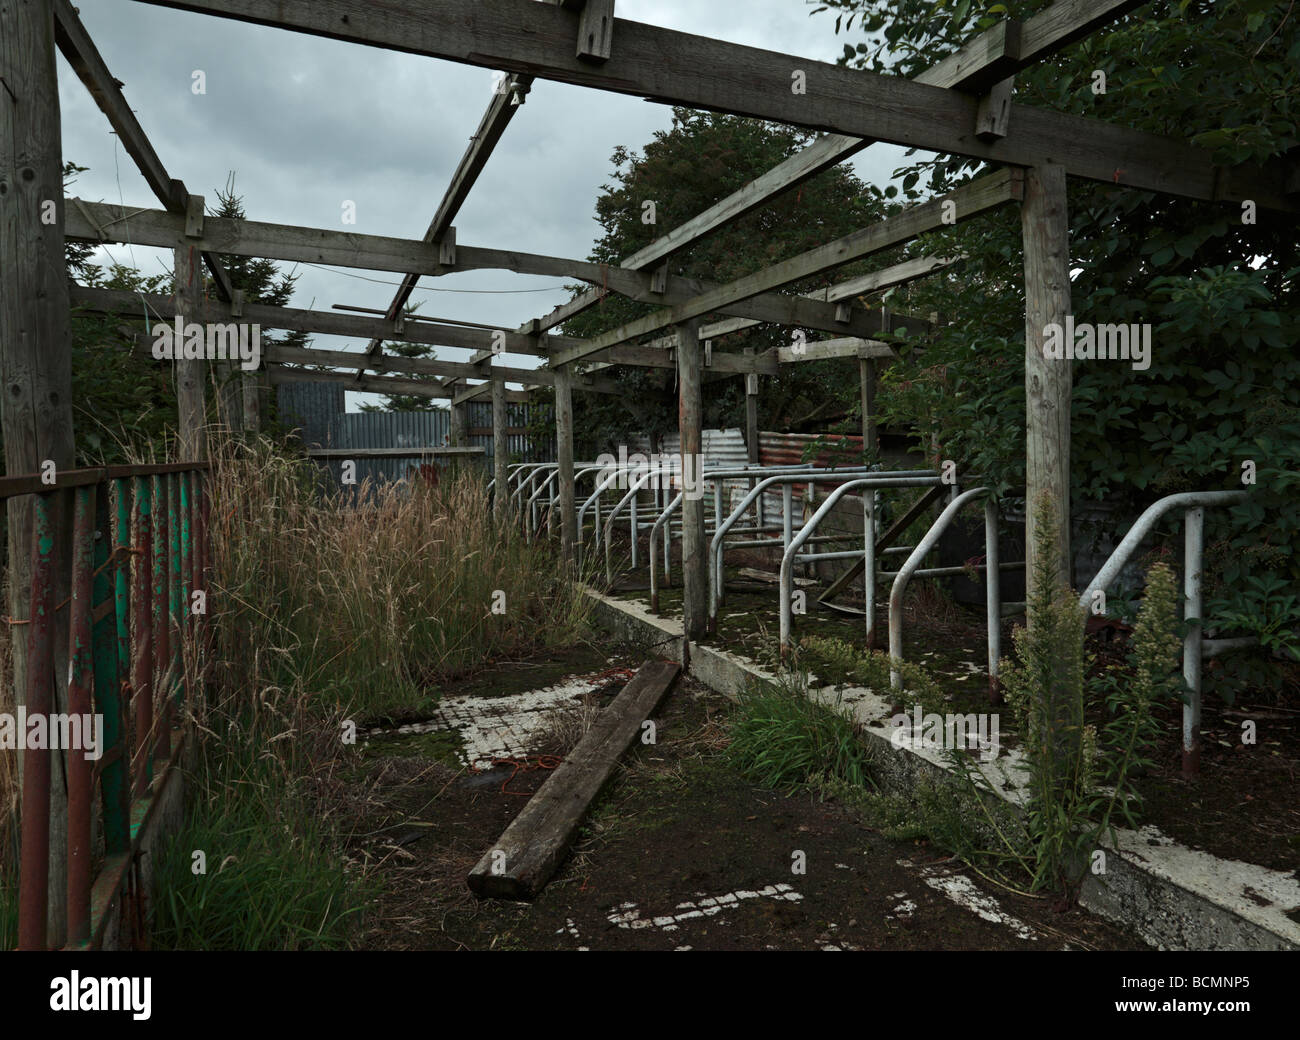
x,y
329,608
324,607
372,596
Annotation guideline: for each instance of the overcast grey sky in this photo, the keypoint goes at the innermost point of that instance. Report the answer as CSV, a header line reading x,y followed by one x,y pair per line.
x,y
306,123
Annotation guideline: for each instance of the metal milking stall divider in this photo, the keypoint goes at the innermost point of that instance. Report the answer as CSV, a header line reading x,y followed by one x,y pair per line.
x,y
127,638
1195,648
717,546
671,475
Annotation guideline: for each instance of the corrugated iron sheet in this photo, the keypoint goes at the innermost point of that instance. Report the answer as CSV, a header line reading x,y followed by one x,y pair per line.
x,y
424,429
311,408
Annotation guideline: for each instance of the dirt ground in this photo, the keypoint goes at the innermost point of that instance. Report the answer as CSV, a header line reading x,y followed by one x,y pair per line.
x,y
1243,804
678,853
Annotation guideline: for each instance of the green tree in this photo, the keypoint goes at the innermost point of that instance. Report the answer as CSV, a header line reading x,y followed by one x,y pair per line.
x,y
1223,388
124,402
700,159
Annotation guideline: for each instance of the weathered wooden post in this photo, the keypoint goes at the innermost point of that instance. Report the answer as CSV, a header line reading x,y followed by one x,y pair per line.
x,y
1046,230
458,438
690,407
252,397
867,381
191,412
499,448
36,367
564,456
751,411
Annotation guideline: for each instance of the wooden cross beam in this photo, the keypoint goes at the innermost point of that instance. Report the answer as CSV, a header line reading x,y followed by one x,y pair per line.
x,y
80,51
369,384
980,65
326,323
897,274
682,69
93,221
501,109
979,196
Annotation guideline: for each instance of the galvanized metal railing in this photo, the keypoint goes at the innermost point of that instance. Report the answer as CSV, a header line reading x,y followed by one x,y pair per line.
x,y
717,588
869,485
138,546
1195,648
992,590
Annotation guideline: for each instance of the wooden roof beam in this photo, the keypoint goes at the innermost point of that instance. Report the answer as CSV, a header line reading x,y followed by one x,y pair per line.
x,y
979,196
500,110
97,221
77,47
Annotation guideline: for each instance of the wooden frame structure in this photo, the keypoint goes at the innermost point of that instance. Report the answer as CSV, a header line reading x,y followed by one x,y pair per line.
x,y
962,106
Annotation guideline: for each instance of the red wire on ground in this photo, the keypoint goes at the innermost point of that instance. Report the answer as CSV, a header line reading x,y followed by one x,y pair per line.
x,y
525,764
532,763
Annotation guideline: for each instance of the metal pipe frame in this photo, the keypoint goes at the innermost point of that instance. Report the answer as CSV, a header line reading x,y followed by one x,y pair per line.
x,y
716,588
663,521
129,636
870,484
993,600
1195,648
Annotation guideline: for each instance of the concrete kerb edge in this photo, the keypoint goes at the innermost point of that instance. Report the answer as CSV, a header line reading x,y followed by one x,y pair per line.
x,y
1174,897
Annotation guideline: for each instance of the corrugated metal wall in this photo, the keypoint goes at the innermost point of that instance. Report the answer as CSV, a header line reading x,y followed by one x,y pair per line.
x,y
311,408
726,448
429,429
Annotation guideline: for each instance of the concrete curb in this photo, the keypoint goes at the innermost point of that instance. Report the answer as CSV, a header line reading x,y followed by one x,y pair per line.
x,y
1175,897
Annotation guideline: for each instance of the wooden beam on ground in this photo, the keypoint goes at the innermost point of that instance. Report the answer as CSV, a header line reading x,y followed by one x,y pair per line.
x,y
522,861
80,51
94,222
1046,231
979,196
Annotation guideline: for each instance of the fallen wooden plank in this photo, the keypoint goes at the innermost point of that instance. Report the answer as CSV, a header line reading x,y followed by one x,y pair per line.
x,y
520,864
768,578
